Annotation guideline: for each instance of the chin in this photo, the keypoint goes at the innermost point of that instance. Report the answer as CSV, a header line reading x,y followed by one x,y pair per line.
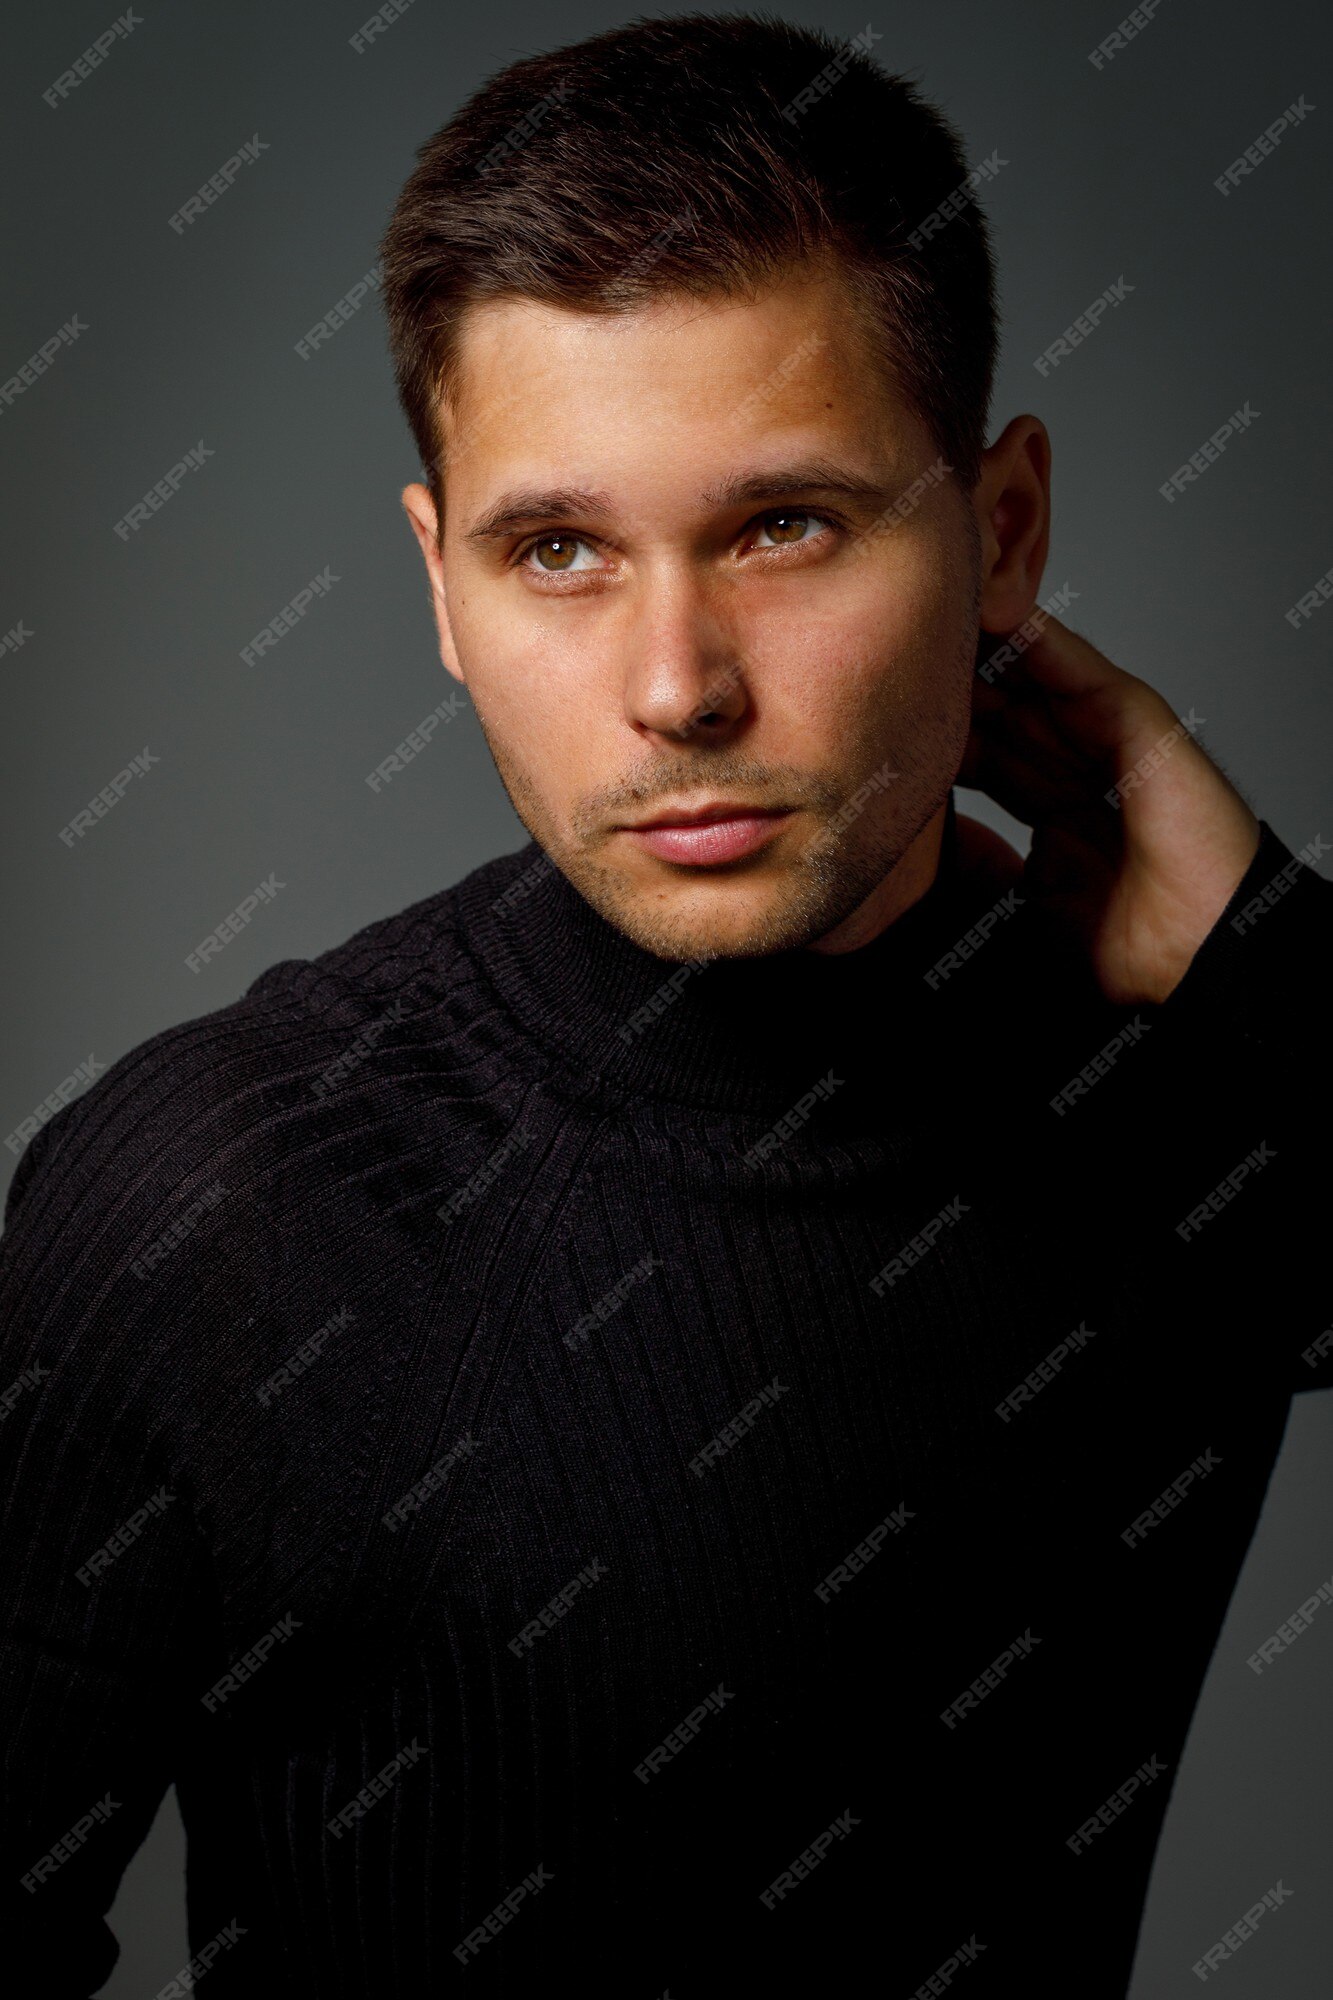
x,y
720,919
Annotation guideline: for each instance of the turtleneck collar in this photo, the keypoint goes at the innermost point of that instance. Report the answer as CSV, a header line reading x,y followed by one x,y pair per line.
x,y
733,1034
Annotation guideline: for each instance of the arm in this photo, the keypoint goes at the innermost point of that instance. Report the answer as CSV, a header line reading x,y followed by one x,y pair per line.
x,y
1196,921
102,1571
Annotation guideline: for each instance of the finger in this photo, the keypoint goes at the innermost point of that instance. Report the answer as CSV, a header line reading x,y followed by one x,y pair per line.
x,y
1064,662
1035,738
1094,705
1031,786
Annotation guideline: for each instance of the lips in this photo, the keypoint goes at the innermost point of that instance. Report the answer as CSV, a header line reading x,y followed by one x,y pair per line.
x,y
710,835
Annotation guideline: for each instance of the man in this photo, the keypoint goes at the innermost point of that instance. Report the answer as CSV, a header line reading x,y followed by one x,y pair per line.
x,y
682,1415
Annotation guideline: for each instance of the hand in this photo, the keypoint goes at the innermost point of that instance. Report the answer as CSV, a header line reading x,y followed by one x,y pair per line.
x,y
1141,877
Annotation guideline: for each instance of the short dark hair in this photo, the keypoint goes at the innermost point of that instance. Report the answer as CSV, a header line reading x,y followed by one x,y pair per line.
x,y
704,155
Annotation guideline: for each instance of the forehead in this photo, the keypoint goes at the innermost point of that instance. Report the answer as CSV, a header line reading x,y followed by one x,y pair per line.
x,y
710,376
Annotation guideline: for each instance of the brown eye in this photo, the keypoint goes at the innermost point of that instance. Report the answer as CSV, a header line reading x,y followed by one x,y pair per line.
x,y
788,527
560,555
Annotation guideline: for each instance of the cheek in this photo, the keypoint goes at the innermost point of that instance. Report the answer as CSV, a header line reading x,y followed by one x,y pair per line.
x,y
544,729
879,647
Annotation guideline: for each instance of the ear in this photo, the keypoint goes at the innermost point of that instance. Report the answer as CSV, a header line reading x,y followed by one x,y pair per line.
x,y
1012,499
420,511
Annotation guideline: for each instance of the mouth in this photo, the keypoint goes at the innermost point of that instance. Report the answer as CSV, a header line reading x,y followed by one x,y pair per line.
x,y
707,835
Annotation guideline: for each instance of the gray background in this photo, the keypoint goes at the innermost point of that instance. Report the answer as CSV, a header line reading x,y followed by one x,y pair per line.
x,y
261,768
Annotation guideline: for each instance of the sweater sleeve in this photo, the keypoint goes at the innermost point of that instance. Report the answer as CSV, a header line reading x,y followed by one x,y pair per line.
x,y
102,1570
1230,1115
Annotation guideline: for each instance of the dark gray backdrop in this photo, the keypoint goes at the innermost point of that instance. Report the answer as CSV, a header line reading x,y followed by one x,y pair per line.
x,y
111,643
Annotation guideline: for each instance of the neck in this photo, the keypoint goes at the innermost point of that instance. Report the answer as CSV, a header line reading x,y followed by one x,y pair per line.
x,y
729,1034
905,884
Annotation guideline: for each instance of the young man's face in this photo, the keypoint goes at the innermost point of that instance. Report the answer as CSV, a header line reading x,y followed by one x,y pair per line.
x,y
696,624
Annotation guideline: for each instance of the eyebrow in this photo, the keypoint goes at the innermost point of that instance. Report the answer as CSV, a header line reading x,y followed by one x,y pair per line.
x,y
811,475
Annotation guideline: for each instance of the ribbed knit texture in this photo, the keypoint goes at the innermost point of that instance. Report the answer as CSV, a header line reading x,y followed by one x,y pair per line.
x,y
507,1197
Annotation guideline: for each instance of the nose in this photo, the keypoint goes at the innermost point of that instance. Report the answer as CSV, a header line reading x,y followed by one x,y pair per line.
x,y
685,673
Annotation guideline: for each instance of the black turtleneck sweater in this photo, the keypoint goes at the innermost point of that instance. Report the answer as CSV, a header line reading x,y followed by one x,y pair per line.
x,y
690,1479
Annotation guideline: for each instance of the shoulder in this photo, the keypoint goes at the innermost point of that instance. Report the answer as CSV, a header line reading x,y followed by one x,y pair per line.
x,y
210,1128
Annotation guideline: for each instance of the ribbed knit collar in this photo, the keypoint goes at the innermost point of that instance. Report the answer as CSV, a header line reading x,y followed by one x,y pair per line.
x,y
737,1034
